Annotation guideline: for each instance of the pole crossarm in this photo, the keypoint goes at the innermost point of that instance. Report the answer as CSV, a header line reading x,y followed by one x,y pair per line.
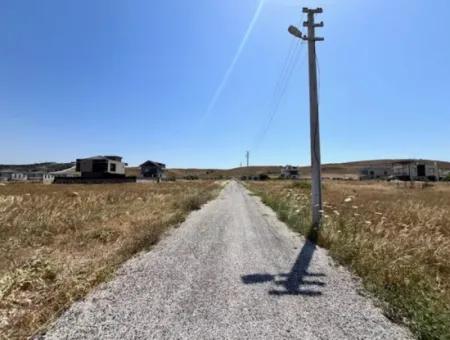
x,y
312,11
319,24
305,38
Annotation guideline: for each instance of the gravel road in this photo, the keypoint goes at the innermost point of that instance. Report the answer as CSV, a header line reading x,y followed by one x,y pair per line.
x,y
231,271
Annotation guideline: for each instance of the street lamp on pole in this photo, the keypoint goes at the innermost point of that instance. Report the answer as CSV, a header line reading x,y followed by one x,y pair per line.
x,y
316,192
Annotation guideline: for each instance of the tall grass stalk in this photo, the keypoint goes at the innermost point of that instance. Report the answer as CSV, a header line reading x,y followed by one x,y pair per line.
x,y
57,242
396,239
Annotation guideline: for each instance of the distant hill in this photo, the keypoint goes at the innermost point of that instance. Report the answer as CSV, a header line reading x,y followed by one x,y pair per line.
x,y
348,169
351,169
48,167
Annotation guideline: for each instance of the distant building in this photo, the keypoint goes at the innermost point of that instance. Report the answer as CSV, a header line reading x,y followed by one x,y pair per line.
x,y
151,169
101,167
69,172
412,170
290,172
32,176
40,177
374,173
5,175
19,177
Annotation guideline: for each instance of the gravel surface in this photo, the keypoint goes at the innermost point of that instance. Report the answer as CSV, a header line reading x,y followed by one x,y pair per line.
x,y
231,271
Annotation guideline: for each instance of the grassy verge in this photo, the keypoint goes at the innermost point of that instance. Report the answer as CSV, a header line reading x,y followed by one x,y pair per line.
x,y
57,242
396,239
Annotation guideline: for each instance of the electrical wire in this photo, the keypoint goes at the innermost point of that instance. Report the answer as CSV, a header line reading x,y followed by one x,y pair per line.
x,y
280,91
289,66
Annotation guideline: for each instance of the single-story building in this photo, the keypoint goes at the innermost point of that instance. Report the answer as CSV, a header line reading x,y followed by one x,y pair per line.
x,y
151,169
290,172
101,167
40,177
5,175
19,177
374,173
412,170
32,176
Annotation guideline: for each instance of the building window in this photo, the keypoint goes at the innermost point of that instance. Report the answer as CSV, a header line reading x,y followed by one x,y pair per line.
x,y
112,167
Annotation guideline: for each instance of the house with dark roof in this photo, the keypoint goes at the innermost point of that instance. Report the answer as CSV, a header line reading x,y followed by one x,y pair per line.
x,y
290,172
101,167
151,169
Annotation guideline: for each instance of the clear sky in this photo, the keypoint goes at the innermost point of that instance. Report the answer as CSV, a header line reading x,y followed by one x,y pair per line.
x,y
189,83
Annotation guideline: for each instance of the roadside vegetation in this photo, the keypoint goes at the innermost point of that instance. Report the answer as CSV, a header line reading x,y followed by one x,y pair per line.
x,y
58,242
397,239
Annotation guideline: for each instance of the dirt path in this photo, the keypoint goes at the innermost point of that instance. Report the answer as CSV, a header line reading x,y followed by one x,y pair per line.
x,y
231,271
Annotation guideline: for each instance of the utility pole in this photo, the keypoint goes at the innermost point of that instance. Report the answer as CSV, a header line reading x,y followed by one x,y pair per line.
x,y
314,110
437,171
247,156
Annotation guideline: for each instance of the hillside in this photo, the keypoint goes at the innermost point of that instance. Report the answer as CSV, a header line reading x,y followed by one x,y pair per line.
x,y
48,167
351,169
348,169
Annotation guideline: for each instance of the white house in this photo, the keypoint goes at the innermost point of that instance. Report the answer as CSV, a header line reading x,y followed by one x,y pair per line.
x,y
40,177
19,177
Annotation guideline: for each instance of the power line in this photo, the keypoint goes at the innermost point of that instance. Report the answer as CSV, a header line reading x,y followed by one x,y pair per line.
x,y
289,66
286,66
279,94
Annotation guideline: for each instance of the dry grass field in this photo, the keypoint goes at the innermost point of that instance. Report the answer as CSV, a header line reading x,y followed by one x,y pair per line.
x,y
396,239
59,241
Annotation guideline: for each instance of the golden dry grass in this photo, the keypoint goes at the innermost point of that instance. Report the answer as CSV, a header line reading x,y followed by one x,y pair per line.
x,y
396,239
57,242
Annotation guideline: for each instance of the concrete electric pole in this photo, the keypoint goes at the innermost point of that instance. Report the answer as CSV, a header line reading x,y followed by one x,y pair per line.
x,y
247,156
314,110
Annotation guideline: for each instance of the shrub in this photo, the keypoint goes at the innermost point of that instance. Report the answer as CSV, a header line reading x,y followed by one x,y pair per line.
x,y
191,178
263,177
395,238
87,231
301,185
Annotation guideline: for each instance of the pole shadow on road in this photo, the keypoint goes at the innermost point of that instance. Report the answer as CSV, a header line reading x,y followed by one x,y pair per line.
x,y
298,281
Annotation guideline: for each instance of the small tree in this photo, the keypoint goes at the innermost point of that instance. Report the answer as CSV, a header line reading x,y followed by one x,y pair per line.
x,y
263,177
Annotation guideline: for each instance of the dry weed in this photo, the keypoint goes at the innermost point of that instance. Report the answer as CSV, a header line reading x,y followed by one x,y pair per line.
x,y
396,238
58,241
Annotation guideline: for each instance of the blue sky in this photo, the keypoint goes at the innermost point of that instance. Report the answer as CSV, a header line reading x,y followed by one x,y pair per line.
x,y
136,78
